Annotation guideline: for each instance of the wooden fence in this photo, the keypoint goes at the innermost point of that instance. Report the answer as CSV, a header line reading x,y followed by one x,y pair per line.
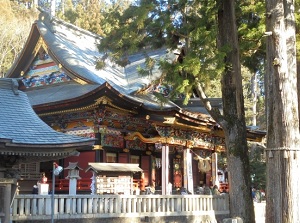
x,y
38,207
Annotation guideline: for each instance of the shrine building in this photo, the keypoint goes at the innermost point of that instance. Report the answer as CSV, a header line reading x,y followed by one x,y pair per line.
x,y
172,143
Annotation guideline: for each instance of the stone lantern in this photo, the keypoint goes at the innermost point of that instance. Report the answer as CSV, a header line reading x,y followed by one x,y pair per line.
x,y
73,176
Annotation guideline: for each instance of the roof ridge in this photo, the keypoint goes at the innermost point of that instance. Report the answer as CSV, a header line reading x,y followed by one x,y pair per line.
x,y
52,20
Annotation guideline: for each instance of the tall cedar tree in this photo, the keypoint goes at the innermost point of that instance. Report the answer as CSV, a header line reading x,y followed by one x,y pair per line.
x,y
206,36
283,179
233,119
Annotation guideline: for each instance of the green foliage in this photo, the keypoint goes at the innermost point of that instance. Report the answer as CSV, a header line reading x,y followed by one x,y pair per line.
x,y
258,167
93,15
149,66
100,64
190,27
251,23
253,97
181,25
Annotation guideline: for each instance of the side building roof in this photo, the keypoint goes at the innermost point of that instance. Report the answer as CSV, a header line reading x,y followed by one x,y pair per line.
x,y
22,132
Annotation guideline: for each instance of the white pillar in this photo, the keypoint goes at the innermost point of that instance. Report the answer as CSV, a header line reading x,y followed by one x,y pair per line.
x,y
165,169
188,171
215,177
72,186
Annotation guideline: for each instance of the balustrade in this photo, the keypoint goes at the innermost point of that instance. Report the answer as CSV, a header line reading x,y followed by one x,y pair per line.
x,y
34,207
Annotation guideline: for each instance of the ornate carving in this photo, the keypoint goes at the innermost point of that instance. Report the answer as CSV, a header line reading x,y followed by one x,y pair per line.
x,y
38,46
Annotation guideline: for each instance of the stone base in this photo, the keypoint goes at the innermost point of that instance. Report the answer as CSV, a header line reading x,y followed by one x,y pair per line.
x,y
233,220
169,219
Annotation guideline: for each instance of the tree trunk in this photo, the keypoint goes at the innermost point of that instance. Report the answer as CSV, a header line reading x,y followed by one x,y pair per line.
x,y
283,179
241,204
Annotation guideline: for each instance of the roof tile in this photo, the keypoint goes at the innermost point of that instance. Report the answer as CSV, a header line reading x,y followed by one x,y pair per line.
x,y
20,124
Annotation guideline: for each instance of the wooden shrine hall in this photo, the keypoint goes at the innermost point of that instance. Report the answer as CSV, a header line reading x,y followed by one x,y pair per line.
x,y
118,108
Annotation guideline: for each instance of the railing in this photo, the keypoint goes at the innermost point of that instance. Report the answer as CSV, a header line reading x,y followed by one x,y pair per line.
x,y
37,207
83,185
31,175
63,185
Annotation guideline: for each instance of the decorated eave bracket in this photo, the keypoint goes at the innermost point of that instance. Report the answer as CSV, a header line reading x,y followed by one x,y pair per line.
x,y
173,141
100,101
107,101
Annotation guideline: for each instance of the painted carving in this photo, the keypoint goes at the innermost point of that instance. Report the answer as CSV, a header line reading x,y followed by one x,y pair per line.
x,y
44,71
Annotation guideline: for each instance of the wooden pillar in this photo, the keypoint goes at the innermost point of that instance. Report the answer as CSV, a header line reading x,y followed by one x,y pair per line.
x,y
97,146
165,169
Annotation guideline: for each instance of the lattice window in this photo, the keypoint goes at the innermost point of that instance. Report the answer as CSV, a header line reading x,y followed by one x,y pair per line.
x,y
30,170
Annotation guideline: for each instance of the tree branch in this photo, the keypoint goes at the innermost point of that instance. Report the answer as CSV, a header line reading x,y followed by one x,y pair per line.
x,y
214,112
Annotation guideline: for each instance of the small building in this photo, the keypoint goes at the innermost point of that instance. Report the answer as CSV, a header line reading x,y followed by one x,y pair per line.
x,y
113,178
117,107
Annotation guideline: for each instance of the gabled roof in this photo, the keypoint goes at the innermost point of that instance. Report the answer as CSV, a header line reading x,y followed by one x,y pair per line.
x,y
76,50
23,132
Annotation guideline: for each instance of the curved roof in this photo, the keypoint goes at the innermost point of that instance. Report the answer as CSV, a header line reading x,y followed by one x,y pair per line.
x,y
58,93
76,49
21,127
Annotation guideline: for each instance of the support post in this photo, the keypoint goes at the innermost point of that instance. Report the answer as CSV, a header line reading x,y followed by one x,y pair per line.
x,y
7,201
52,194
165,169
215,177
55,172
188,171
